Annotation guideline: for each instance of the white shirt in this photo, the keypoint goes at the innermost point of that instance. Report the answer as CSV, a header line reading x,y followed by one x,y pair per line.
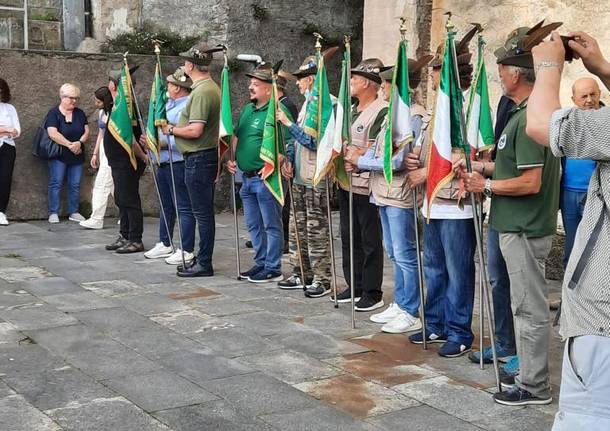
x,y
8,118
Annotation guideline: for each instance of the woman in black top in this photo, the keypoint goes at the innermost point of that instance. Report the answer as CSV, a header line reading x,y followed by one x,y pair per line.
x,y
67,126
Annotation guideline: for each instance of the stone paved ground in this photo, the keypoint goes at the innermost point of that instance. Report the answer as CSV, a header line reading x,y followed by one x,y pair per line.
x,y
90,340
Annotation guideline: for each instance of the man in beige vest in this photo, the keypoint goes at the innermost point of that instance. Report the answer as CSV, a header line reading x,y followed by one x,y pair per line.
x,y
309,200
395,202
368,114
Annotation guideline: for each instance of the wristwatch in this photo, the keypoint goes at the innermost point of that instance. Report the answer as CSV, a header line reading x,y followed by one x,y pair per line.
x,y
487,189
171,130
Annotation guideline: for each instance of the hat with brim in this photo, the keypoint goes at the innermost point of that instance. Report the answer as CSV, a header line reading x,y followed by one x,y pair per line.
x,y
180,78
307,68
264,74
387,73
115,74
517,50
369,69
201,55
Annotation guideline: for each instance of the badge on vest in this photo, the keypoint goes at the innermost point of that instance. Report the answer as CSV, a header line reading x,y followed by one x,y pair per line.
x,y
360,128
502,142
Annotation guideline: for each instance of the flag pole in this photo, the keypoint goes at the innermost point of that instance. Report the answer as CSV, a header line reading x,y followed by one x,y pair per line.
x,y
171,171
420,268
333,267
152,164
350,192
233,194
476,216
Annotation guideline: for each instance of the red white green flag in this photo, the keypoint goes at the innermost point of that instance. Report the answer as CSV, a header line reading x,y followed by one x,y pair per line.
x,y
446,132
398,132
478,116
225,131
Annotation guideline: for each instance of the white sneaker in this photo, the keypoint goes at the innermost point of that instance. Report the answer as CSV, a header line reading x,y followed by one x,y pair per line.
x,y
176,258
92,224
3,220
76,217
387,315
403,322
158,251
53,218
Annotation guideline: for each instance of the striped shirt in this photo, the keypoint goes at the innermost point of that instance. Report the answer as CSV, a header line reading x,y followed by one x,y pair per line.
x,y
581,134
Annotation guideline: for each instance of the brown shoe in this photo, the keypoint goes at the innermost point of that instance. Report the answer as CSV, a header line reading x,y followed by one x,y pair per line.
x,y
118,243
131,247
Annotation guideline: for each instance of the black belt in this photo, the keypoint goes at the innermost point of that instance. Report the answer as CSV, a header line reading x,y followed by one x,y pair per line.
x,y
251,174
163,164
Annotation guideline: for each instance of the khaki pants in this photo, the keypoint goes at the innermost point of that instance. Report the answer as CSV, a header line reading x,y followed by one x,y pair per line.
x,y
528,291
103,187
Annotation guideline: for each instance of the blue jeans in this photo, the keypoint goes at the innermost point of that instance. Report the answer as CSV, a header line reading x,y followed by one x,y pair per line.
x,y
500,285
199,176
572,205
264,220
449,247
399,242
187,221
57,172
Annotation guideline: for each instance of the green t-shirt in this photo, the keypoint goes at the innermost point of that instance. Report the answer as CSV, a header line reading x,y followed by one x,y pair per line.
x,y
534,215
203,106
249,133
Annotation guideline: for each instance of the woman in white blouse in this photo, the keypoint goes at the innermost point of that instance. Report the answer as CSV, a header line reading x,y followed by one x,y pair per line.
x,y
9,130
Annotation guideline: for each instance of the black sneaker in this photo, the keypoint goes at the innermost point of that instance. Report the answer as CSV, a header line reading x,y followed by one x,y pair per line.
x,y
368,304
130,247
317,290
431,336
507,380
291,283
265,276
252,271
118,243
345,296
516,396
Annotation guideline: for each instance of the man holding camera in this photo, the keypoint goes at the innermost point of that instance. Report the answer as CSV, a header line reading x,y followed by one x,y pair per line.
x,y
525,190
585,316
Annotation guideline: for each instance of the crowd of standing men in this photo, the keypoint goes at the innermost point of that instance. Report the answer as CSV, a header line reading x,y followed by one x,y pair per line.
x,y
520,176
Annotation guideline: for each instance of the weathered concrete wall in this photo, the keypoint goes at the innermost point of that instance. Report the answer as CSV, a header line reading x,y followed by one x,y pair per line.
x,y
44,24
35,78
498,17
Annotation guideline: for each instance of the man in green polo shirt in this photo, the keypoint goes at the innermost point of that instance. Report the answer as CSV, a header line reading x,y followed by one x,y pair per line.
x,y
262,211
197,139
525,198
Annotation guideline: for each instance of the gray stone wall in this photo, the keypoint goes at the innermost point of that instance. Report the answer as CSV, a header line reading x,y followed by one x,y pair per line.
x,y
44,25
35,78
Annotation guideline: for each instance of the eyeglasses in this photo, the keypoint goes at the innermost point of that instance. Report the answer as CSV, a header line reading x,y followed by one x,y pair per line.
x,y
74,99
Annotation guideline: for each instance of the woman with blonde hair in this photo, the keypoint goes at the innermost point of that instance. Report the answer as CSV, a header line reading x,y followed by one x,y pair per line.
x,y
67,127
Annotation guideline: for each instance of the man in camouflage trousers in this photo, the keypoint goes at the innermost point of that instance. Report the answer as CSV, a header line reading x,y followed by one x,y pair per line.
x,y
309,200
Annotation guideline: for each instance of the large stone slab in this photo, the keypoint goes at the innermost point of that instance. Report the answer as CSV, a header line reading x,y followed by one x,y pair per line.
x,y
258,394
234,342
201,365
456,399
319,418
214,415
152,303
105,414
421,418
316,344
265,324
51,286
27,359
159,390
223,306
356,396
36,316
190,322
114,320
154,342
53,388
78,301
23,273
114,288
290,367
16,414
518,420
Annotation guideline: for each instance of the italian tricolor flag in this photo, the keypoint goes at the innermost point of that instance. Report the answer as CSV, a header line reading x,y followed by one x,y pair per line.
x,y
271,148
322,122
478,116
446,132
398,129
226,118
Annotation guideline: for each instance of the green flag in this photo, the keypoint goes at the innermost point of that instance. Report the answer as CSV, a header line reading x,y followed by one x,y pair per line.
x,y
478,116
270,149
122,118
343,123
157,116
398,131
225,131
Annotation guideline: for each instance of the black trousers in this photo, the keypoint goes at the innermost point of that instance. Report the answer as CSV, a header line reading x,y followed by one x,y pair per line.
x,y
127,198
7,162
368,246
